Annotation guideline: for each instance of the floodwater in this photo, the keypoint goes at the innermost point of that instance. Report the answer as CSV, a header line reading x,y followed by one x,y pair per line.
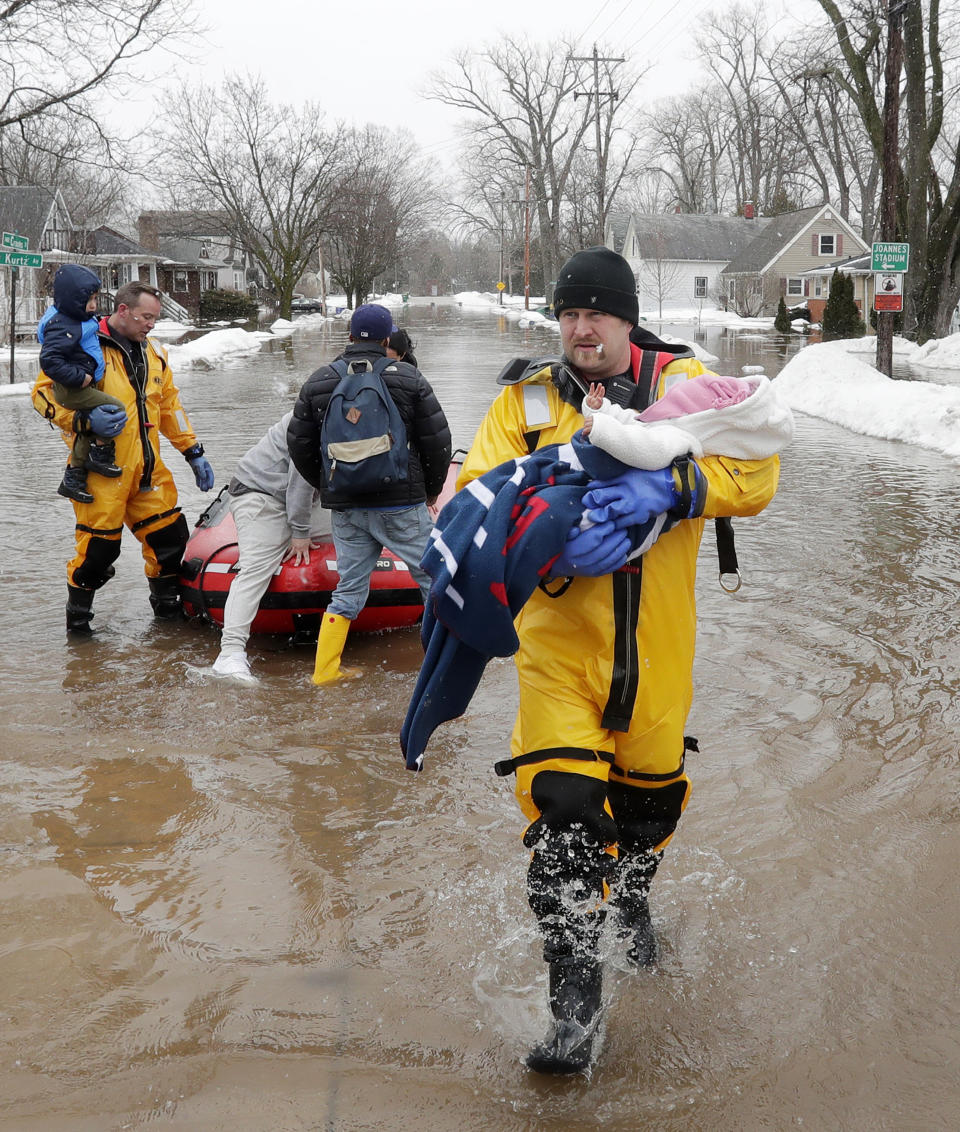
x,y
232,908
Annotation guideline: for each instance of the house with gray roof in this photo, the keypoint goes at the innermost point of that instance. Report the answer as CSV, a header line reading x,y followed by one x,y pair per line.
x,y
785,250
38,213
677,258
200,252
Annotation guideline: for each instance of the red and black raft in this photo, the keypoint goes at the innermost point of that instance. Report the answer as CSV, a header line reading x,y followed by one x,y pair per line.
x,y
297,595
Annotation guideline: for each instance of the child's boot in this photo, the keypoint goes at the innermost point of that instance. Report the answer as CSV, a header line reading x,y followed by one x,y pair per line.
x,y
74,485
100,460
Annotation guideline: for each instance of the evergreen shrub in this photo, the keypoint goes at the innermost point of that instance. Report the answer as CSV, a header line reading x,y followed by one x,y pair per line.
x,y
782,321
220,304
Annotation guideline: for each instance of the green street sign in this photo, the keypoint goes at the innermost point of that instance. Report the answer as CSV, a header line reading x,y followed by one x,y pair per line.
x,y
12,240
21,259
890,257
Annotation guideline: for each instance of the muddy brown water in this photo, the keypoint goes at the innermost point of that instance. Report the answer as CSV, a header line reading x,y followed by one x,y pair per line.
x,y
232,908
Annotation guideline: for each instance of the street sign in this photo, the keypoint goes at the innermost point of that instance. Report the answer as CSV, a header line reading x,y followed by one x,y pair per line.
x,y
882,302
501,286
890,257
888,291
12,240
21,259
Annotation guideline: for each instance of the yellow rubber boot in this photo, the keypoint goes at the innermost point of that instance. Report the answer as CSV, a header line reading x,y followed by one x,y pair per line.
x,y
333,636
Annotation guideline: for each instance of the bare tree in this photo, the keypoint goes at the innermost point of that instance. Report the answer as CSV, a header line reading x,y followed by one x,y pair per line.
x,y
827,125
50,151
690,136
271,169
659,275
523,113
765,160
55,55
928,204
381,204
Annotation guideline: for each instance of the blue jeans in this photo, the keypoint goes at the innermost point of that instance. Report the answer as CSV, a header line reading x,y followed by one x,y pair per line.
x,y
360,535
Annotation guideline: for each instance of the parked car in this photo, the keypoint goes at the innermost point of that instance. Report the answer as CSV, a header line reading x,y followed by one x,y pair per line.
x,y
306,305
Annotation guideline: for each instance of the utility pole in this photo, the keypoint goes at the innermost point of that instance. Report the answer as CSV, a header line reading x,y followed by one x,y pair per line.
x,y
890,166
525,201
500,276
597,94
13,318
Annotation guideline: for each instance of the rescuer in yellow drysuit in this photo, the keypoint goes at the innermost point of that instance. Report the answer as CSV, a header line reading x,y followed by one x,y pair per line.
x,y
144,497
605,658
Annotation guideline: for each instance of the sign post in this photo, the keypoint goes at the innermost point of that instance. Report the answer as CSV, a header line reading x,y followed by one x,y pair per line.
x,y
13,318
890,262
15,255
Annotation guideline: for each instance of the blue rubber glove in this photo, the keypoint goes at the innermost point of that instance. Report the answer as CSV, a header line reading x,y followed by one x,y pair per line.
x,y
591,553
632,498
202,472
107,420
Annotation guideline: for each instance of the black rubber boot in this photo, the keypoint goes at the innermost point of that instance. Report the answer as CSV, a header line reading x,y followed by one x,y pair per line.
x,y
635,874
74,485
576,987
165,598
100,460
79,610
565,883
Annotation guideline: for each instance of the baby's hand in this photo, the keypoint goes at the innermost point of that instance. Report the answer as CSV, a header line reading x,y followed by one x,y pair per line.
x,y
595,396
87,380
587,426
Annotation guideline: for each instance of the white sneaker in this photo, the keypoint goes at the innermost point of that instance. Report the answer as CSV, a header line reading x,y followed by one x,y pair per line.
x,y
235,666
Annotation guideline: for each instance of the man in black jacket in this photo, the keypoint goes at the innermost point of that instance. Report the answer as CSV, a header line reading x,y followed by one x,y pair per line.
x,y
395,517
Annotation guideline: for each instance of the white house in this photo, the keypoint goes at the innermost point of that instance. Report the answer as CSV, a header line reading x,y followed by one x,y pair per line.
x,y
677,258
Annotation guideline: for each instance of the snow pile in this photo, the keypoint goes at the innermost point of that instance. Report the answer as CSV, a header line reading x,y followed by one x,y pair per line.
x,y
826,381
213,348
938,353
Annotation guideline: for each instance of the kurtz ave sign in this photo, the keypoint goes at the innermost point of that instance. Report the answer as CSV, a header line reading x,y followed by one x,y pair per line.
x,y
21,259
890,257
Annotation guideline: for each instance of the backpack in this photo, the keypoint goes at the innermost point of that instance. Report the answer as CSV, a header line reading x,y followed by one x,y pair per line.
x,y
363,441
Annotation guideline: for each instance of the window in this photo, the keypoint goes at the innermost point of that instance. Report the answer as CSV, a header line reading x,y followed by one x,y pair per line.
x,y
828,245
208,280
795,287
636,245
820,288
180,281
699,286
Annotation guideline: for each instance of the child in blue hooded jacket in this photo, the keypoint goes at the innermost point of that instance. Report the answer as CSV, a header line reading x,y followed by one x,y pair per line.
x,y
70,354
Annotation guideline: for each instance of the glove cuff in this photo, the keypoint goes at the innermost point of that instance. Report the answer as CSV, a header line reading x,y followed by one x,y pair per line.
x,y
688,484
194,452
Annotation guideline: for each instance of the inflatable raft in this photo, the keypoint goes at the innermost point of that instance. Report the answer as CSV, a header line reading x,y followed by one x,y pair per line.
x,y
297,595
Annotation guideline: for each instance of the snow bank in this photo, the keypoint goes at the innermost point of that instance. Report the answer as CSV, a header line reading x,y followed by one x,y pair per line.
x,y
827,381
215,347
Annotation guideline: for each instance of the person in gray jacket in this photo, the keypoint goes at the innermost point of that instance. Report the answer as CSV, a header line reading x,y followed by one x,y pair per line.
x,y
276,512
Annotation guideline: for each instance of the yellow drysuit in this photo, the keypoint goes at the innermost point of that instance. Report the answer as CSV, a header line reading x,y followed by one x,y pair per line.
x,y
609,652
145,496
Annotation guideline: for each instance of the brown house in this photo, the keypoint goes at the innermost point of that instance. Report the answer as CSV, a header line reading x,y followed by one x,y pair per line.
x,y
199,254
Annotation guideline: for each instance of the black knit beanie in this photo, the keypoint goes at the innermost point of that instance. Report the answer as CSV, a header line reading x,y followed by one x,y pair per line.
x,y
597,279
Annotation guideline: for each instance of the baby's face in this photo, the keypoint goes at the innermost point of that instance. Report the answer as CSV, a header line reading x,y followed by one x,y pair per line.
x,y
92,302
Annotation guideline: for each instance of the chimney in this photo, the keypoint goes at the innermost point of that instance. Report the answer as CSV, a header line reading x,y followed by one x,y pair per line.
x,y
748,210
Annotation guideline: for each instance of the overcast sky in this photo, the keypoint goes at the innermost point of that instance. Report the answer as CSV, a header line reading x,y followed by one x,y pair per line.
x,y
367,62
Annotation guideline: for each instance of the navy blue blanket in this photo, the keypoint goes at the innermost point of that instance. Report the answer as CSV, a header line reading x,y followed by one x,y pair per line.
x,y
491,546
